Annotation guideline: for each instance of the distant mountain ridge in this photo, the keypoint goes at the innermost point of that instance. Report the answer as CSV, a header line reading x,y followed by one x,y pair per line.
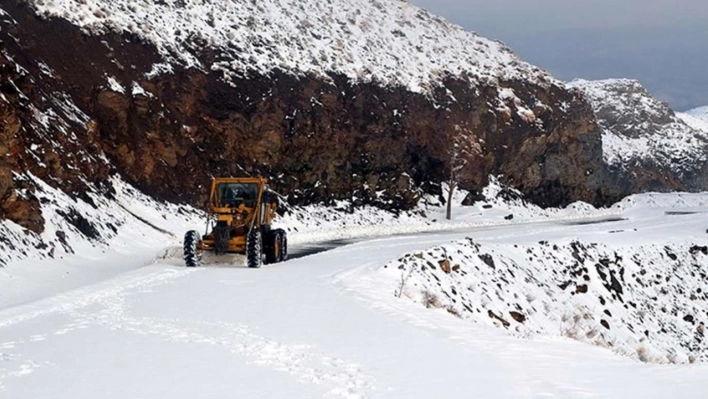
x,y
644,139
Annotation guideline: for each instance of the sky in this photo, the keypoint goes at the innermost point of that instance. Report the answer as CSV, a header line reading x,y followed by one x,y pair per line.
x,y
662,43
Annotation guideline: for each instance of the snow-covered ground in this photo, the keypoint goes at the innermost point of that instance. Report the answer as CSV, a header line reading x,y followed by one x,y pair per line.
x,y
87,242
330,324
635,286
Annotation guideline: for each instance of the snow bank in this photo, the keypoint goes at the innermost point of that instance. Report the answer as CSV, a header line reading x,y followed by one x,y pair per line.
x,y
637,287
118,220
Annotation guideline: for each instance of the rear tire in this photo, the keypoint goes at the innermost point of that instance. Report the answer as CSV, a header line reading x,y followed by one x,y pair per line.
x,y
272,247
254,248
277,246
283,236
192,253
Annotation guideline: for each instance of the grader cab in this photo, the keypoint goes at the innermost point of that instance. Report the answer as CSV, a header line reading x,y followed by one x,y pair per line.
x,y
239,218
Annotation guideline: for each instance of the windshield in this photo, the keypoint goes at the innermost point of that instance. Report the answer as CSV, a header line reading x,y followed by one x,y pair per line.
x,y
230,195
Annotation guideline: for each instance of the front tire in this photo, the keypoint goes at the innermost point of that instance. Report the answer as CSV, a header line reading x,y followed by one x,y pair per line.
x,y
192,253
254,248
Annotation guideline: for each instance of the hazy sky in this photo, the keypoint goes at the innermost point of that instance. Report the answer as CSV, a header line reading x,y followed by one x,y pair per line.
x,y
662,43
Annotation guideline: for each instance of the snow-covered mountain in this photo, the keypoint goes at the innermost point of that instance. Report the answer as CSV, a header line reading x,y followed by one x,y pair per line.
x,y
644,137
355,101
387,41
115,115
696,118
340,100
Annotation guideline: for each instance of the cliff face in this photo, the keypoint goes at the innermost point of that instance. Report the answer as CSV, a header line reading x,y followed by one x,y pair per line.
x,y
167,102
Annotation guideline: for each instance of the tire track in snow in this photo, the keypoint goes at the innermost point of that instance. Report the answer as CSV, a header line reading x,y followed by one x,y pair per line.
x,y
67,302
304,362
108,305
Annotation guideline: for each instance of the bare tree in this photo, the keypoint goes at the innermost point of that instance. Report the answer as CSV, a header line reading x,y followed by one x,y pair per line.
x,y
463,148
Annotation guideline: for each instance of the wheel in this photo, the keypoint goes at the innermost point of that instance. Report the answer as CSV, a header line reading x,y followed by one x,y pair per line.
x,y
222,236
283,236
272,247
192,253
277,246
254,248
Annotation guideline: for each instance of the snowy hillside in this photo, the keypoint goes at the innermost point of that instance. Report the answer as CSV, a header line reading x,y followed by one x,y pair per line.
x,y
387,41
628,286
336,101
638,128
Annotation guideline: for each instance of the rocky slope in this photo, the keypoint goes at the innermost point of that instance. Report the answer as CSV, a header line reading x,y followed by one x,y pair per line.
x,y
620,298
646,141
628,287
356,100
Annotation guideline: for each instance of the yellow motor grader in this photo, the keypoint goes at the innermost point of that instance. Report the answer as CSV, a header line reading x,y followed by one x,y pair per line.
x,y
240,214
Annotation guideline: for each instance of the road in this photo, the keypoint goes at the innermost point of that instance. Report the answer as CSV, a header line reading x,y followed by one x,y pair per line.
x,y
297,329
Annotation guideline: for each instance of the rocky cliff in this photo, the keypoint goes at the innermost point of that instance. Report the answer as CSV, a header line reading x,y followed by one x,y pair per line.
x,y
645,143
345,99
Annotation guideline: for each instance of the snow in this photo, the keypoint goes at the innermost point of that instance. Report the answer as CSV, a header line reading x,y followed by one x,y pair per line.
x,y
133,324
328,325
644,293
696,121
387,41
124,230
636,126
138,90
114,85
99,304
700,113
132,212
